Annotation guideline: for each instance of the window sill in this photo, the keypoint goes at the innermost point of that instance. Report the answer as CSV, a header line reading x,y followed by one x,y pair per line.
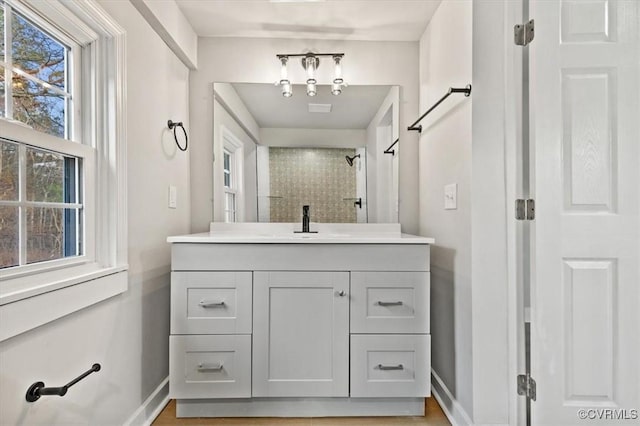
x,y
29,302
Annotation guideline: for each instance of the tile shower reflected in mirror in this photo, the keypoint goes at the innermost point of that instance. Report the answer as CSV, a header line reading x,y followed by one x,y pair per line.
x,y
326,152
318,177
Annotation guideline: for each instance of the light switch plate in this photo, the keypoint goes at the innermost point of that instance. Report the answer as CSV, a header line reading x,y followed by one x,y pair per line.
x,y
451,196
173,197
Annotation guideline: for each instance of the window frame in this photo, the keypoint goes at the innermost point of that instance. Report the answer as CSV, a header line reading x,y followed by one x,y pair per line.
x,y
230,212
68,288
235,148
76,141
73,109
24,137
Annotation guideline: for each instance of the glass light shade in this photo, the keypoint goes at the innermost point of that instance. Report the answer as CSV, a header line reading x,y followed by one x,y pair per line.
x,y
311,89
286,89
310,62
336,89
337,79
284,79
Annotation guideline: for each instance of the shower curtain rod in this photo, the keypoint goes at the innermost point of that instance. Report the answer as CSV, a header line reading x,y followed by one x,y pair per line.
x,y
466,91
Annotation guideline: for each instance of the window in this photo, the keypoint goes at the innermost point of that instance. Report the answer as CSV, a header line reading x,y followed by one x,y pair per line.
x,y
230,187
232,176
41,178
36,72
62,160
41,210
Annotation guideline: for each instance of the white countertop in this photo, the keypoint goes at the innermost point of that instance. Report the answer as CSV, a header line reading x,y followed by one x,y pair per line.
x,y
283,233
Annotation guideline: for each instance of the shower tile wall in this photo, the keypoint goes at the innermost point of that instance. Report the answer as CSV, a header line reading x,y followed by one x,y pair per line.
x,y
319,177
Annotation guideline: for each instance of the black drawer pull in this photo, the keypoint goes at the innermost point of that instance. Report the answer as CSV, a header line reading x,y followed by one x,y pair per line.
x,y
381,303
391,367
211,304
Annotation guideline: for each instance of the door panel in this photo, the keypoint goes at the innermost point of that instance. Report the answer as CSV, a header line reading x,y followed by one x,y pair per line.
x,y
301,334
585,91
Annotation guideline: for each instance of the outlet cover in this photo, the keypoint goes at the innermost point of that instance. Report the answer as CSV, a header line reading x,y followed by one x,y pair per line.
x,y
451,196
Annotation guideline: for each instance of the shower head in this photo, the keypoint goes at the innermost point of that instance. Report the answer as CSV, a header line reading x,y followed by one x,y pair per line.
x,y
350,159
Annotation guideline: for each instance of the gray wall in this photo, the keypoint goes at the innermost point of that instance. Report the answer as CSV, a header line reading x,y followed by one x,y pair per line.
x,y
465,141
445,158
127,334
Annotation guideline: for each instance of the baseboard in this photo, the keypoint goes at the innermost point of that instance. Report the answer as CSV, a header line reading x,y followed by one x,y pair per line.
x,y
300,407
151,407
452,409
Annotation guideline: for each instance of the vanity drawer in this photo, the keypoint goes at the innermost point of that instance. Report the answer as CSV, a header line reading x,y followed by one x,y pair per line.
x,y
210,366
211,302
389,302
390,365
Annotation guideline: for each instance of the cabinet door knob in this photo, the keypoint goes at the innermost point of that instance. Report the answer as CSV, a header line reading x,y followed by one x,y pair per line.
x,y
342,293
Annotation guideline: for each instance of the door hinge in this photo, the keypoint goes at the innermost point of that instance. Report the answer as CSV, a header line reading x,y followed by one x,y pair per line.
x,y
523,33
527,386
525,209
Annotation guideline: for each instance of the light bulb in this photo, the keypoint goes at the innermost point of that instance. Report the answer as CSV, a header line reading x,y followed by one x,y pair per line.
x,y
286,90
311,89
310,62
337,79
336,89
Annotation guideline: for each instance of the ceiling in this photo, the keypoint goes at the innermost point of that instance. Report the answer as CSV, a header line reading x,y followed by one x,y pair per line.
x,y
353,109
394,20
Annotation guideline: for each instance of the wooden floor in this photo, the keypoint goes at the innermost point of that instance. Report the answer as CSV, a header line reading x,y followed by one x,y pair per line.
x,y
434,417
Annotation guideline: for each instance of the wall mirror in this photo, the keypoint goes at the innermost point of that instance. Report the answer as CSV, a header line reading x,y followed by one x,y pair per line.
x,y
274,154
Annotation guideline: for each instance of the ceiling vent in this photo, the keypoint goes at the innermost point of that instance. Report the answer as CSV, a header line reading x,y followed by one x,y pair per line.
x,y
322,108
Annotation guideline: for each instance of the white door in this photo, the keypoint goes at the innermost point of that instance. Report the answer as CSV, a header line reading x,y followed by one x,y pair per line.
x,y
585,91
301,334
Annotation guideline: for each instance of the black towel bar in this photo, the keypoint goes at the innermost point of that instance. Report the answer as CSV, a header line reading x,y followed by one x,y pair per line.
x,y
389,150
466,91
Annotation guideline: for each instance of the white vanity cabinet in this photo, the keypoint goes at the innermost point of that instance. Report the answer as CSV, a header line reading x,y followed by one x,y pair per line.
x,y
301,334
390,341
210,342
299,327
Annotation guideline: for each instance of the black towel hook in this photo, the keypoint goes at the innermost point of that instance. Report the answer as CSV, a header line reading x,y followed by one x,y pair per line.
x,y
172,126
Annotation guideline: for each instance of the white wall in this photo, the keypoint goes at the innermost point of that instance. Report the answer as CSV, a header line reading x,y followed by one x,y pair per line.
x,y
250,60
445,157
227,96
127,334
166,18
383,169
492,115
313,138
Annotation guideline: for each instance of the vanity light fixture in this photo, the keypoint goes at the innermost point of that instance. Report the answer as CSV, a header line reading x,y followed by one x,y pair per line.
x,y
284,80
310,63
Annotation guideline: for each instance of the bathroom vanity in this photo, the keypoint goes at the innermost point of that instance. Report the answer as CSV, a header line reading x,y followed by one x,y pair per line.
x,y
268,322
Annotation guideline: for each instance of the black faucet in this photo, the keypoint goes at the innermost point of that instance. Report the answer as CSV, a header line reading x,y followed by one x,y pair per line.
x,y
305,218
